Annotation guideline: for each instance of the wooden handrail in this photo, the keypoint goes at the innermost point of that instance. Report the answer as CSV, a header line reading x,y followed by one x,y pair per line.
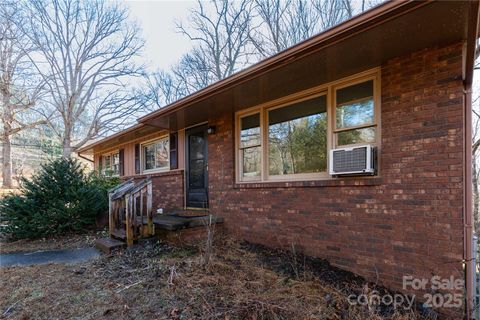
x,y
123,199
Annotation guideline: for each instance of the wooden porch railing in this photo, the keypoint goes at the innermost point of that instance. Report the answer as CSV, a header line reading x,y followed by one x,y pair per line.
x,y
130,211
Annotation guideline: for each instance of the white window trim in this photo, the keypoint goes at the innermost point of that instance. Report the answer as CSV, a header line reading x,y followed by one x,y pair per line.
x,y
326,89
142,155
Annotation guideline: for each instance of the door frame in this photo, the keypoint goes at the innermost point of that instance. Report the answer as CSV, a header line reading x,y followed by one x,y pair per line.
x,y
199,127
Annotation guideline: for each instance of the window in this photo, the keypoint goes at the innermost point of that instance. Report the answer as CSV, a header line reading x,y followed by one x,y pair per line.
x,y
355,114
297,138
110,164
156,155
250,147
173,150
289,139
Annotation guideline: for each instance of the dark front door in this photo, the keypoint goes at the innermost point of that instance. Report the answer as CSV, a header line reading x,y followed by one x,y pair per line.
x,y
196,167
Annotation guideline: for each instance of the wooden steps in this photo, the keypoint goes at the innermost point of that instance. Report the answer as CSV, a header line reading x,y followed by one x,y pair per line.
x,y
107,245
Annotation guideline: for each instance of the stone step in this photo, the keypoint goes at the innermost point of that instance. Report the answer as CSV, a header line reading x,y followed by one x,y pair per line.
x,y
107,245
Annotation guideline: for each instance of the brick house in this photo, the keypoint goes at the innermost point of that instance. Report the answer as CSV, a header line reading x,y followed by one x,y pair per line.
x,y
258,148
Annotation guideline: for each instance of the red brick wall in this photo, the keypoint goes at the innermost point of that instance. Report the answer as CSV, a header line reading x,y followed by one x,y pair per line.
x,y
167,188
407,221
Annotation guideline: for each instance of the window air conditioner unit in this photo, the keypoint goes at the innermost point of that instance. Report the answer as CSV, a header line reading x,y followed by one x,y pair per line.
x,y
358,160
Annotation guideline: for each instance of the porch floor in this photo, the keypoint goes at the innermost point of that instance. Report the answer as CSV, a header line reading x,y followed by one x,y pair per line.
x,y
172,222
176,222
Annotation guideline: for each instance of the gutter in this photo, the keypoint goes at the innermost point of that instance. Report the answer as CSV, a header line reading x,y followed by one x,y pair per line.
x,y
85,158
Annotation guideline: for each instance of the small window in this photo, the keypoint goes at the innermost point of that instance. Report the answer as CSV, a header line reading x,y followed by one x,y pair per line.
x,y
156,155
173,151
250,147
355,114
297,138
110,164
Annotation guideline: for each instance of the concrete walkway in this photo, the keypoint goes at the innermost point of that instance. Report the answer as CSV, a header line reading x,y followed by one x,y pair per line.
x,y
45,257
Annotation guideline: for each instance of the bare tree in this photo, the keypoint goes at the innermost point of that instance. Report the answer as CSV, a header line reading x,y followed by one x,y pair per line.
x,y
286,23
19,88
333,12
190,74
229,35
220,31
221,35
86,57
281,24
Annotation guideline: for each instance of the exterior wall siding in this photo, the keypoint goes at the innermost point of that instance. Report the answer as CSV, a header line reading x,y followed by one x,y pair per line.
x,y
406,221
167,188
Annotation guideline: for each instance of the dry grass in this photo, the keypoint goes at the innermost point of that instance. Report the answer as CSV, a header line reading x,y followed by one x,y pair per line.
x,y
71,241
162,282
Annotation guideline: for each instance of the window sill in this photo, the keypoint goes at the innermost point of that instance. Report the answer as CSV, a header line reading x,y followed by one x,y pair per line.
x,y
157,170
155,174
331,182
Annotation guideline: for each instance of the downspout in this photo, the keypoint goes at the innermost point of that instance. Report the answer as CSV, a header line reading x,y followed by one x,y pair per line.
x,y
468,205
470,267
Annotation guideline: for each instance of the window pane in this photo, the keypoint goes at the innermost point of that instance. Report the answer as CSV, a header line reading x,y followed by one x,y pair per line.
x,y
364,135
107,164
250,131
161,154
115,163
156,155
251,159
149,154
355,105
297,137
197,173
197,146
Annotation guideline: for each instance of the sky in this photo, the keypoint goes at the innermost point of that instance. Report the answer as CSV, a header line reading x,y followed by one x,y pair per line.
x,y
163,45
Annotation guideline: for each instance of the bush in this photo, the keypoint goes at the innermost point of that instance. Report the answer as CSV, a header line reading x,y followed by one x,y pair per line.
x,y
61,197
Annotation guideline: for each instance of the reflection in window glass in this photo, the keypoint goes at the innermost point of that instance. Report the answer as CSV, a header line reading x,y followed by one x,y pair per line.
x,y
107,164
115,164
110,164
355,106
356,136
250,135
156,155
250,148
355,114
297,137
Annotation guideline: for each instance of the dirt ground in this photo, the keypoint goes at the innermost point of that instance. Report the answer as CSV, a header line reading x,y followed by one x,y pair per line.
x,y
158,281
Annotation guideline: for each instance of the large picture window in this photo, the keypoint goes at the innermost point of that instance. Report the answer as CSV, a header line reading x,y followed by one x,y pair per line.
x,y
289,139
297,138
156,155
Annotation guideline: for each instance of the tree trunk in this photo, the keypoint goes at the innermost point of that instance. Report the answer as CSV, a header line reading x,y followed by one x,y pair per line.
x,y
67,147
7,146
7,161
